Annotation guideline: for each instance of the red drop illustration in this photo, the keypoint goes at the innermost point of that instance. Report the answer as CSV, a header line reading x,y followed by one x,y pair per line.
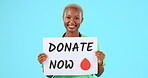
x,y
85,64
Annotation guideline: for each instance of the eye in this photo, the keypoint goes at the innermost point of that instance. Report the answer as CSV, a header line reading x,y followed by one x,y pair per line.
x,y
77,18
68,17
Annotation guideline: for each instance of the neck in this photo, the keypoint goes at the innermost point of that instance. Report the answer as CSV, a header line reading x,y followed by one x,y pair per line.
x,y
72,34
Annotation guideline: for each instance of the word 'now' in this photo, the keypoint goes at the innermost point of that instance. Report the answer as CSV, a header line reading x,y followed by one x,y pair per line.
x,y
67,64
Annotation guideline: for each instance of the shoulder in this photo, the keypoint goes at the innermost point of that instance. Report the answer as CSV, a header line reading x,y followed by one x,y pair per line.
x,y
84,35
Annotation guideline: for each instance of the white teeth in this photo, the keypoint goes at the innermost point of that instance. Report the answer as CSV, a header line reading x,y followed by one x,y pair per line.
x,y
71,26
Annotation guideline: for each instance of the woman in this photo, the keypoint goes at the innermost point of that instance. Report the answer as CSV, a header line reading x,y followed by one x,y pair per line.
x,y
73,17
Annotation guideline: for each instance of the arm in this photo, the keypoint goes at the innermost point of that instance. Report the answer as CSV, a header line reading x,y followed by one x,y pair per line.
x,y
41,58
100,56
100,70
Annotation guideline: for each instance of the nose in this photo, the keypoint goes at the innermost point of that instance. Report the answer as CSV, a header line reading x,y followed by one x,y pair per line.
x,y
71,22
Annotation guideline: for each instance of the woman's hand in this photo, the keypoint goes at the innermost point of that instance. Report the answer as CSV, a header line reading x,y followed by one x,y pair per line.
x,y
42,57
100,56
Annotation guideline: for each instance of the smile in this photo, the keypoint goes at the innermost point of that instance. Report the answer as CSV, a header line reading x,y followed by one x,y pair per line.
x,y
71,27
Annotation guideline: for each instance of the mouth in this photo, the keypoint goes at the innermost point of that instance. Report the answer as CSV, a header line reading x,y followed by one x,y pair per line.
x,y
71,27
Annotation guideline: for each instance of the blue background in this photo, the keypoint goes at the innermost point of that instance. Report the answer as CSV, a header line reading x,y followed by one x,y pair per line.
x,y
120,25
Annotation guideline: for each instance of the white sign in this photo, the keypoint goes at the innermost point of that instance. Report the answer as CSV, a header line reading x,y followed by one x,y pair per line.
x,y
70,56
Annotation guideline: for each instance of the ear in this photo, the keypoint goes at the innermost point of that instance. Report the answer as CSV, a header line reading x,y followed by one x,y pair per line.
x,y
63,18
82,20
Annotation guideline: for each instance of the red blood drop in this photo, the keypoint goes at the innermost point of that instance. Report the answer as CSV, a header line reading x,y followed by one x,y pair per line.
x,y
85,64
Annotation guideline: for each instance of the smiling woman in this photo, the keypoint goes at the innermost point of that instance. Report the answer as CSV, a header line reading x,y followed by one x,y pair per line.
x,y
72,18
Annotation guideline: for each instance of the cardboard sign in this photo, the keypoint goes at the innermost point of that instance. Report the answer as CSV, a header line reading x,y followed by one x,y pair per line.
x,y
70,56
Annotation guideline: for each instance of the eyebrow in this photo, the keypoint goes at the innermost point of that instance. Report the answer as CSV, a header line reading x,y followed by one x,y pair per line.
x,y
76,15
67,15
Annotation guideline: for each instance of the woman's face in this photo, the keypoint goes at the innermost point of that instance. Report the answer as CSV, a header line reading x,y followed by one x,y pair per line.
x,y
72,19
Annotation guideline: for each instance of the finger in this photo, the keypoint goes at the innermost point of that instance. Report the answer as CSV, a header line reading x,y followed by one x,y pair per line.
x,y
41,59
45,55
100,61
100,55
42,55
99,58
98,52
44,59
